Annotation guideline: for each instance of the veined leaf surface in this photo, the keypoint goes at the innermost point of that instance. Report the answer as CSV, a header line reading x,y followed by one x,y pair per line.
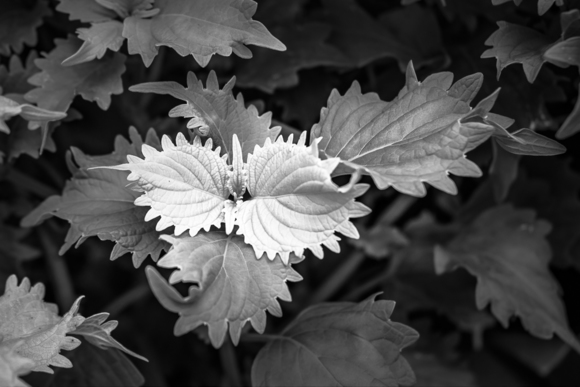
x,y
506,249
420,136
216,113
338,344
97,202
184,184
295,205
233,284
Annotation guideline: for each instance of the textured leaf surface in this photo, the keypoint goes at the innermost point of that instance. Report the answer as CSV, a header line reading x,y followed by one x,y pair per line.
x,y
203,28
420,136
97,39
270,70
216,113
97,202
506,249
97,331
295,205
86,10
18,23
338,344
233,284
184,184
58,85
32,330
13,365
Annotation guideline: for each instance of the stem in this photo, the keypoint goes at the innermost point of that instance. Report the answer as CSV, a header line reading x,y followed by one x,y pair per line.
x,y
229,362
338,277
258,338
126,299
394,265
30,184
153,75
397,208
61,279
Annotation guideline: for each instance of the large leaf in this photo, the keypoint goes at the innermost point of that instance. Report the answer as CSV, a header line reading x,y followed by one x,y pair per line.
x,y
97,40
184,184
420,136
338,344
270,70
233,284
506,249
295,205
202,28
216,113
58,84
18,23
97,202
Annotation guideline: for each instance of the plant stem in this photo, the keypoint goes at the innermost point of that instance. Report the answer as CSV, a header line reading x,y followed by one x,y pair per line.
x,y
229,362
397,208
258,338
394,265
337,278
30,184
61,279
153,75
131,296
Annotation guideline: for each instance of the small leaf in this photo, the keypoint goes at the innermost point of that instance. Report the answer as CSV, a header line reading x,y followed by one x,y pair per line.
x,y
543,5
572,124
14,78
506,249
233,284
567,51
98,332
58,84
18,23
203,28
420,136
13,365
295,205
216,113
97,202
184,184
97,40
338,344
34,115
86,10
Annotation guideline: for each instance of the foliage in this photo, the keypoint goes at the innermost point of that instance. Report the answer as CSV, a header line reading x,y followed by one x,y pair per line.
x,y
347,109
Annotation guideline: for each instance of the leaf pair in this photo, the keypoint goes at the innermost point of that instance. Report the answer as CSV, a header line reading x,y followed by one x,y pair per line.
x,y
294,204
200,28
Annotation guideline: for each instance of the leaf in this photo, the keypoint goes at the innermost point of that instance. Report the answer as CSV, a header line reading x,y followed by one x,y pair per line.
x,y
432,372
86,10
58,84
567,51
306,48
97,40
14,78
361,38
95,367
572,124
543,5
420,136
507,251
34,115
233,284
98,332
97,202
216,113
22,140
184,184
295,205
338,344
503,171
32,329
202,28
18,23
13,365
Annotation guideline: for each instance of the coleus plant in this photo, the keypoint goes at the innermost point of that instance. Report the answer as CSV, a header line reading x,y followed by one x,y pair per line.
x,y
235,204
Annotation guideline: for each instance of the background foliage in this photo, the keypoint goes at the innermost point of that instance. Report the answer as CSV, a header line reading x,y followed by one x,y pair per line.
x,y
486,276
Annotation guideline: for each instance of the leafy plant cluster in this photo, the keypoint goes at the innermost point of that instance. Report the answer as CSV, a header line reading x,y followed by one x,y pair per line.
x,y
234,204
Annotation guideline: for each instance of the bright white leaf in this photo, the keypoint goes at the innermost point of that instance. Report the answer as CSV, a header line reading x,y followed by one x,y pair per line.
x,y
295,205
338,344
184,184
216,113
420,136
506,249
233,285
